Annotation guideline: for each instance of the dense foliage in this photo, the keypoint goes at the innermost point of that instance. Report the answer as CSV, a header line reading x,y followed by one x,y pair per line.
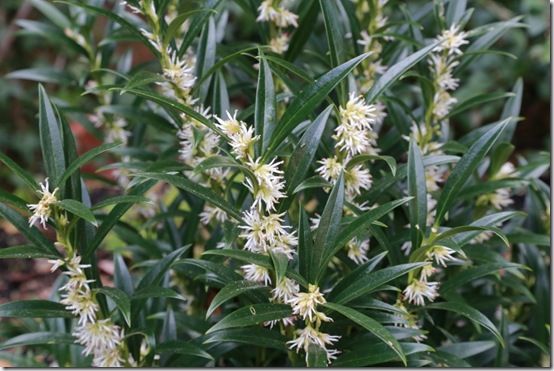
x,y
283,184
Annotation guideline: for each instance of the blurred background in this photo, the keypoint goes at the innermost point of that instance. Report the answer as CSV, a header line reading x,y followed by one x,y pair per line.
x,y
530,59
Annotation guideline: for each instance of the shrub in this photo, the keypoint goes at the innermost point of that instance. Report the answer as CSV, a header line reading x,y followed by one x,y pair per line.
x,y
283,184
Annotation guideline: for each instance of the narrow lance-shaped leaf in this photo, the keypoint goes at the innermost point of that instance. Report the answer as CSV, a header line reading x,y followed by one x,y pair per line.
x,y
326,233
264,113
252,315
50,138
417,189
370,325
465,168
77,208
230,291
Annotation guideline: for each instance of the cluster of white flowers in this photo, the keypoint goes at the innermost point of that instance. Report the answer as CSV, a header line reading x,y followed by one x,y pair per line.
x,y
274,12
241,136
100,337
442,63
304,305
501,197
43,209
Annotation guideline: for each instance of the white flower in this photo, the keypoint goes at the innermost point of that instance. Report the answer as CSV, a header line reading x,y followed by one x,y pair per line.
x,y
380,114
279,44
441,254
256,273
108,357
406,247
330,168
210,213
500,198
304,304
308,335
451,40
357,113
179,72
153,39
265,233
427,271
357,250
285,18
433,175
266,11
269,183
117,133
418,290
98,336
506,170
431,211
357,179
43,210
77,277
442,68
281,17
241,136
285,290
81,303
56,264
442,102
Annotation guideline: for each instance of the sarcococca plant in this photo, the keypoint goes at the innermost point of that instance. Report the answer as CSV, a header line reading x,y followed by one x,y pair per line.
x,y
284,183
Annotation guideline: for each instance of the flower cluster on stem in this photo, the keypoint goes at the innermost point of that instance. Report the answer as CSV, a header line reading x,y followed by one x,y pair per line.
x,y
279,19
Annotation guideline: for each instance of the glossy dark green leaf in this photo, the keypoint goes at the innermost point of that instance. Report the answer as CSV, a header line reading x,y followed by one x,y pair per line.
x,y
157,292
391,162
316,357
34,309
125,199
121,301
370,325
205,56
264,112
230,291
31,233
25,252
154,275
252,315
467,275
38,338
41,74
83,159
373,281
51,140
23,174
312,182
196,189
78,209
183,347
477,100
469,312
304,153
417,189
254,336
326,233
465,168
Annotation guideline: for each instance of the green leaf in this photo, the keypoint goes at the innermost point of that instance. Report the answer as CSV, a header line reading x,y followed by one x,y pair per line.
x,y
121,301
500,155
466,349
264,112
114,216
307,17
357,273
380,353
256,336
34,309
125,199
230,291
469,312
391,162
175,26
252,315
25,252
280,264
205,55
372,281
312,182
316,356
467,275
486,221
51,140
512,109
467,228
326,233
370,325
194,188
477,100
362,221
19,171
77,208
183,347
31,233
42,74
52,13
216,161
464,169
38,338
396,71
83,159
196,25
156,292
308,99
455,12
417,189
154,275
254,258
304,153
335,35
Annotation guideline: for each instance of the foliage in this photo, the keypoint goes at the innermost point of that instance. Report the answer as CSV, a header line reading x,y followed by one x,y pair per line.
x,y
301,197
